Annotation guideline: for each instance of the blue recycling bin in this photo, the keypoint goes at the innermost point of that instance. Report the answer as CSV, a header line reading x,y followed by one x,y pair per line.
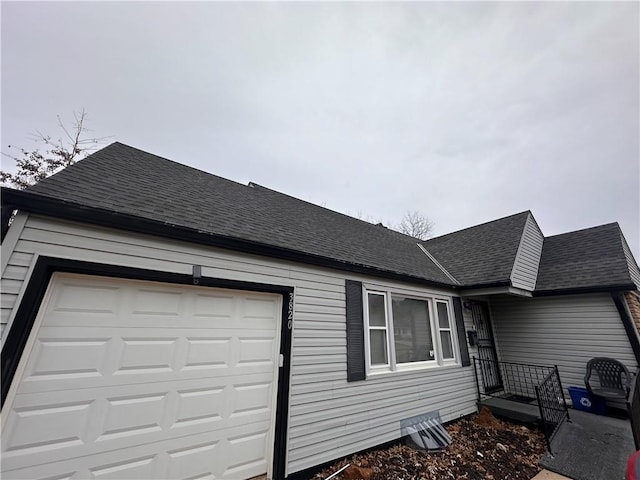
x,y
583,400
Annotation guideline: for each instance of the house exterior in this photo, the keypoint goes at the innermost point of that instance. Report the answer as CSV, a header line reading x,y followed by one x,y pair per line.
x,y
162,322
569,297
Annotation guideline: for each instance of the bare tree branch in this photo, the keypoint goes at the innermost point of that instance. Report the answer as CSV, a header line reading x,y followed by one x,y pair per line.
x,y
34,165
416,225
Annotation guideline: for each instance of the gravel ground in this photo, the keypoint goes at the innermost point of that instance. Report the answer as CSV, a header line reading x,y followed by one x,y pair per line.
x,y
483,448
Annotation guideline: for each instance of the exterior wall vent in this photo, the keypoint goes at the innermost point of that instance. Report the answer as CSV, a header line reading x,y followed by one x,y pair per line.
x,y
425,431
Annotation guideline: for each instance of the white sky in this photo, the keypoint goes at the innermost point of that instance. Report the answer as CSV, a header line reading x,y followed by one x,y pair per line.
x,y
466,112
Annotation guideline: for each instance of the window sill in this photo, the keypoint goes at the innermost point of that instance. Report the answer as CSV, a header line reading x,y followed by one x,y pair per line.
x,y
407,370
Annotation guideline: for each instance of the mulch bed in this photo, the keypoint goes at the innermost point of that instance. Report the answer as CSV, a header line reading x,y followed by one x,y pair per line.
x,y
483,448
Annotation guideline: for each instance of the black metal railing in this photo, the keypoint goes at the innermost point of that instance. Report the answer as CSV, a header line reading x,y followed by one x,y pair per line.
x,y
518,381
633,408
527,383
552,405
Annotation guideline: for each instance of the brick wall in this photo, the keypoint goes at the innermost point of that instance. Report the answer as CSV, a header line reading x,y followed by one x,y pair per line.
x,y
633,301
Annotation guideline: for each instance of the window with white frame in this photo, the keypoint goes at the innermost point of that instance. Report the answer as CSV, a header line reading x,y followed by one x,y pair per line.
x,y
378,338
444,326
412,336
405,331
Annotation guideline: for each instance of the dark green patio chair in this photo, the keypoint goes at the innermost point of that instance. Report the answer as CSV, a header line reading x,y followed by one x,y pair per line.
x,y
613,376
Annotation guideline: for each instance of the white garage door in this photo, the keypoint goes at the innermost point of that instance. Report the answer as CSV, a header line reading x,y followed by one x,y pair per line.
x,y
132,379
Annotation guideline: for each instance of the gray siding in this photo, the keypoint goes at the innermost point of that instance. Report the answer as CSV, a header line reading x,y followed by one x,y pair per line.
x,y
566,331
631,262
525,266
15,267
328,417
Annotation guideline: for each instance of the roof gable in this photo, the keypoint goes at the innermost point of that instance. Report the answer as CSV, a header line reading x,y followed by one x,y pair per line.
x,y
589,258
481,255
527,261
634,271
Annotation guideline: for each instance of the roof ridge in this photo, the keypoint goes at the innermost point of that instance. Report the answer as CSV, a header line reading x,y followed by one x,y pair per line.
x,y
610,224
252,184
478,225
335,212
165,159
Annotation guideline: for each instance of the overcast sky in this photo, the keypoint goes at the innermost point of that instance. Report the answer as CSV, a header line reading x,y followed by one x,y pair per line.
x,y
466,112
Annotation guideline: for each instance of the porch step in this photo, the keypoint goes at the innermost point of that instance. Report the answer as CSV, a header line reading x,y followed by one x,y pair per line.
x,y
518,411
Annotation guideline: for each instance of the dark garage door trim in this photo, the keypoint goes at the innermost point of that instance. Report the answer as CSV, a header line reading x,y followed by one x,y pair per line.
x,y
39,282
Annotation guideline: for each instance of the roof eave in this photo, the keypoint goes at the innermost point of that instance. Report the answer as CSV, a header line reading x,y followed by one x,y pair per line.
x,y
588,289
47,206
503,290
483,285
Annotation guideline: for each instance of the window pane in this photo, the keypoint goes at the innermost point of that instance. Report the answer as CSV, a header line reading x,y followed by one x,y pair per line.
x,y
378,347
412,330
376,311
447,347
443,315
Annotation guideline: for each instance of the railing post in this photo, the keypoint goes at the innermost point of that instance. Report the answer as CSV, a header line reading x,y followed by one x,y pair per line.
x,y
633,408
564,400
542,419
475,372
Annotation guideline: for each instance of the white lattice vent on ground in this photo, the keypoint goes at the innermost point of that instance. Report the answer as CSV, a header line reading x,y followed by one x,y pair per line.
x,y
425,431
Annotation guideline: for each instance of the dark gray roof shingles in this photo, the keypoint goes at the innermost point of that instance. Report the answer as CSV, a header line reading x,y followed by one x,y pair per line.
x,y
483,254
589,258
129,181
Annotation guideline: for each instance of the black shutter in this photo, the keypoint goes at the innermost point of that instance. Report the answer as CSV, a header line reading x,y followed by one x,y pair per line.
x,y
462,337
355,332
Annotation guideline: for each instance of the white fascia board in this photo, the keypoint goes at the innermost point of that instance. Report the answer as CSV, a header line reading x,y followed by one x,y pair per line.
x,y
474,292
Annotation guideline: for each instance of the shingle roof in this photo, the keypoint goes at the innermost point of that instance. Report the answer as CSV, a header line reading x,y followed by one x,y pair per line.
x,y
589,258
483,254
138,185
129,181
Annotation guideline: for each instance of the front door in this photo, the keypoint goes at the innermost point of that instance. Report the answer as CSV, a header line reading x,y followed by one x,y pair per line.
x,y
491,378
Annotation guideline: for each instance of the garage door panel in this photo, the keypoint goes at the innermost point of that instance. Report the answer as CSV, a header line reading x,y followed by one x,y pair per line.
x,y
187,457
101,418
73,448
155,321
37,429
258,309
103,401
78,299
242,374
77,304
187,387
239,461
69,357
65,357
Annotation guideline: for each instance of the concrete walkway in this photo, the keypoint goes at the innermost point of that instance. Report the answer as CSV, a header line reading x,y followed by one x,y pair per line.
x,y
590,447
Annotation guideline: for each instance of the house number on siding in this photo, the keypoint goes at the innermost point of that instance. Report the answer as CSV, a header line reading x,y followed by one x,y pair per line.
x,y
290,316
